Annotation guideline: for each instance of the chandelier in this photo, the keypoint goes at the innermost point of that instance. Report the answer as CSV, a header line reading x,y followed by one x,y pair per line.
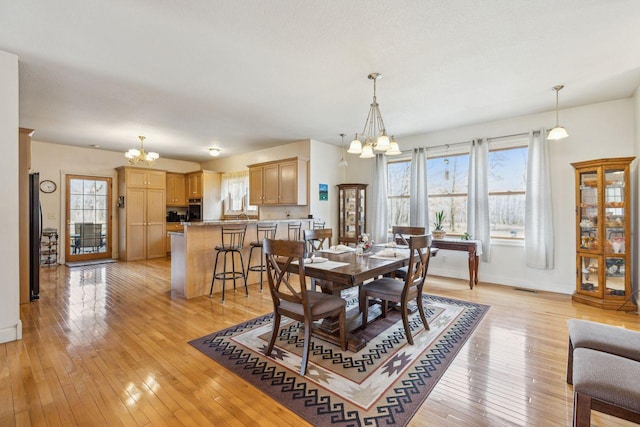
x,y
374,133
134,155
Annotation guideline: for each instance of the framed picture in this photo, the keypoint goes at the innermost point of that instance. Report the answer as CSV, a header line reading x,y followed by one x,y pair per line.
x,y
324,192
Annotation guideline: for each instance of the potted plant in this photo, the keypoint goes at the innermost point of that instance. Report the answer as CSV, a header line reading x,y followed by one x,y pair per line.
x,y
438,232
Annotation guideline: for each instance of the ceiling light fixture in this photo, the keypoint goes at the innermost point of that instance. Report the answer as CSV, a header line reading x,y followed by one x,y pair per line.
x,y
134,155
343,163
374,132
214,152
557,132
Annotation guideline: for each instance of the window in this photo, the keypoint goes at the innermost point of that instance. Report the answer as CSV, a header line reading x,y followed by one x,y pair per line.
x,y
235,189
447,181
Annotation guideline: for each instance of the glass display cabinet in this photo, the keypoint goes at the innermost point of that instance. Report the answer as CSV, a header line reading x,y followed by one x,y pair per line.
x,y
352,213
603,231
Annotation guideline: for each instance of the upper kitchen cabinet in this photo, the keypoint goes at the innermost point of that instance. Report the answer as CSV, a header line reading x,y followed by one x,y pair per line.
x,y
194,185
145,178
282,182
176,191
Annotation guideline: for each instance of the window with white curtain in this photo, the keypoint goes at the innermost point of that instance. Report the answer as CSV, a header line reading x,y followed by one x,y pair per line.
x,y
447,181
235,191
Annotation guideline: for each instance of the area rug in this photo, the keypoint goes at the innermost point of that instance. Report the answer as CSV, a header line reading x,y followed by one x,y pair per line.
x,y
383,384
86,263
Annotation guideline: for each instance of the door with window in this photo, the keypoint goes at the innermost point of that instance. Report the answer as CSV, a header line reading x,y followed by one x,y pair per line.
x,y
88,213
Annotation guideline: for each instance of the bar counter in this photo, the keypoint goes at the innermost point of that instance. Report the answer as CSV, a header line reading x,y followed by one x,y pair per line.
x,y
193,254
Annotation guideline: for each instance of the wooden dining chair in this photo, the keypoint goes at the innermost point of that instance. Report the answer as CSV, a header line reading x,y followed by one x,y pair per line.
x,y
400,235
316,239
389,289
300,304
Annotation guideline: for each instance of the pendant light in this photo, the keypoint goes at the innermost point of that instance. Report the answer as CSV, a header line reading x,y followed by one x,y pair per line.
x,y
343,163
557,132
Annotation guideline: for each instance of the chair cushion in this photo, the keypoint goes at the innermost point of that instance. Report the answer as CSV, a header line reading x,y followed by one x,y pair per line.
x,y
599,336
385,286
320,303
607,377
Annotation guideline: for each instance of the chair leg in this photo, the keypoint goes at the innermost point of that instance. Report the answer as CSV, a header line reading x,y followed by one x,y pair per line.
x,y
261,267
224,267
421,310
274,334
213,279
405,322
570,363
233,268
244,276
581,410
307,345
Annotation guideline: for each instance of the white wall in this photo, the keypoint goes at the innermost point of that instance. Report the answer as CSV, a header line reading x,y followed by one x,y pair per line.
x,y
55,161
10,325
595,131
237,163
324,169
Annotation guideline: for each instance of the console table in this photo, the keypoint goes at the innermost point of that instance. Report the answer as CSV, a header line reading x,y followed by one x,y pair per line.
x,y
473,247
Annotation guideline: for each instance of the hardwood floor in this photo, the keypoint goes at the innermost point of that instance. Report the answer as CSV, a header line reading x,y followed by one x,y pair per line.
x,y
107,345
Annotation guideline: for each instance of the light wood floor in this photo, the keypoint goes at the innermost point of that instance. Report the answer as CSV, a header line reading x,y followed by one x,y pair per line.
x,y
107,345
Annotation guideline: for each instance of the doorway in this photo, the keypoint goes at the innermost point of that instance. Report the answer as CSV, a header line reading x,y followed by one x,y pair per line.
x,y
88,213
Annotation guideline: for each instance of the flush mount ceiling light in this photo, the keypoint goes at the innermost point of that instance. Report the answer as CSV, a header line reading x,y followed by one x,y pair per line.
x,y
214,152
374,132
134,155
343,163
557,132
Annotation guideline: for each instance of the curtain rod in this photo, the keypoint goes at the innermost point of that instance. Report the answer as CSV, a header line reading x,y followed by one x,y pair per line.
x,y
467,142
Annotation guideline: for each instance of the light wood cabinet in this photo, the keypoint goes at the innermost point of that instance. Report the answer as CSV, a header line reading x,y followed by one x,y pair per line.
x,y
194,185
176,190
603,231
282,182
142,232
352,214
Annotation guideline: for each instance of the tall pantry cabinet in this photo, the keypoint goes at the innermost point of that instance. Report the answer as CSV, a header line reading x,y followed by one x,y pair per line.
x,y
141,213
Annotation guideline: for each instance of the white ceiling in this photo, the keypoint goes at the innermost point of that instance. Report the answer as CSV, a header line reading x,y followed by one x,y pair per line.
x,y
249,74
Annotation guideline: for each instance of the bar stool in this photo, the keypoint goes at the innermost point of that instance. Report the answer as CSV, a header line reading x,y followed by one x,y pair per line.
x,y
232,242
263,231
293,230
318,225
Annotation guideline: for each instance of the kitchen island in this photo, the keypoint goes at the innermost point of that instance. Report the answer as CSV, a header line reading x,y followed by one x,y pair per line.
x,y
193,254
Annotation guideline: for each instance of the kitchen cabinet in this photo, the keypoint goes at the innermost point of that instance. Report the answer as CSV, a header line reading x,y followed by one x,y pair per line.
x,y
142,219
176,190
352,217
603,233
194,185
282,182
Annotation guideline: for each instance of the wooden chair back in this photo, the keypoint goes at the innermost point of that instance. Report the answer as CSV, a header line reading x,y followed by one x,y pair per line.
x,y
316,238
420,253
285,251
401,233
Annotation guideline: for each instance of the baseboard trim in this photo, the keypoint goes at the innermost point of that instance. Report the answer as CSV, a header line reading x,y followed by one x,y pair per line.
x,y
12,333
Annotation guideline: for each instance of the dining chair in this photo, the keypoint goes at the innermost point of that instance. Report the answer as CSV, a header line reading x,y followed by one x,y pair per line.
x,y
388,289
400,235
316,238
298,303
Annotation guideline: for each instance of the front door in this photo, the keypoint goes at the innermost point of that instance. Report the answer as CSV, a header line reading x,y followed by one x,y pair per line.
x,y
88,213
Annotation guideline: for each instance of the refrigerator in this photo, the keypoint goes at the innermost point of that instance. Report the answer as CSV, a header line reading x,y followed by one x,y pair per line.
x,y
35,235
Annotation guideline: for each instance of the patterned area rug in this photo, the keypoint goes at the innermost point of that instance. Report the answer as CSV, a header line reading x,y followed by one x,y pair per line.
x,y
383,384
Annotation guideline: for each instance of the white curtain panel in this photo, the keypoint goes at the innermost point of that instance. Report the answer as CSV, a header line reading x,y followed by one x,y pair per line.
x,y
379,222
478,225
538,217
418,196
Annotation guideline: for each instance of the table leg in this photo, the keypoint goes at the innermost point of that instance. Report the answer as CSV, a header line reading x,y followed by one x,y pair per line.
x,y
475,275
472,269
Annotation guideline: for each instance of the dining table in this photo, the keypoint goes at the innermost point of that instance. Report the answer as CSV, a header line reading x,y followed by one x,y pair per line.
x,y
334,270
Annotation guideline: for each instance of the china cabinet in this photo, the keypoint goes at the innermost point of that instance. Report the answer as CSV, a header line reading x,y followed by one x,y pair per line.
x,y
352,213
603,233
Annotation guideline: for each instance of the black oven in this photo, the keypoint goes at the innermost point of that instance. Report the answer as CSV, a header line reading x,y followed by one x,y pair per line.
x,y
194,210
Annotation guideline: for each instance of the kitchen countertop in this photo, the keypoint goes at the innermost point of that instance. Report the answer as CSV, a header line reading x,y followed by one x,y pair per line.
x,y
242,221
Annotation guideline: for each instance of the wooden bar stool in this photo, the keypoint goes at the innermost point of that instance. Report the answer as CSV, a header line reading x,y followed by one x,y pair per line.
x,y
263,231
232,242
